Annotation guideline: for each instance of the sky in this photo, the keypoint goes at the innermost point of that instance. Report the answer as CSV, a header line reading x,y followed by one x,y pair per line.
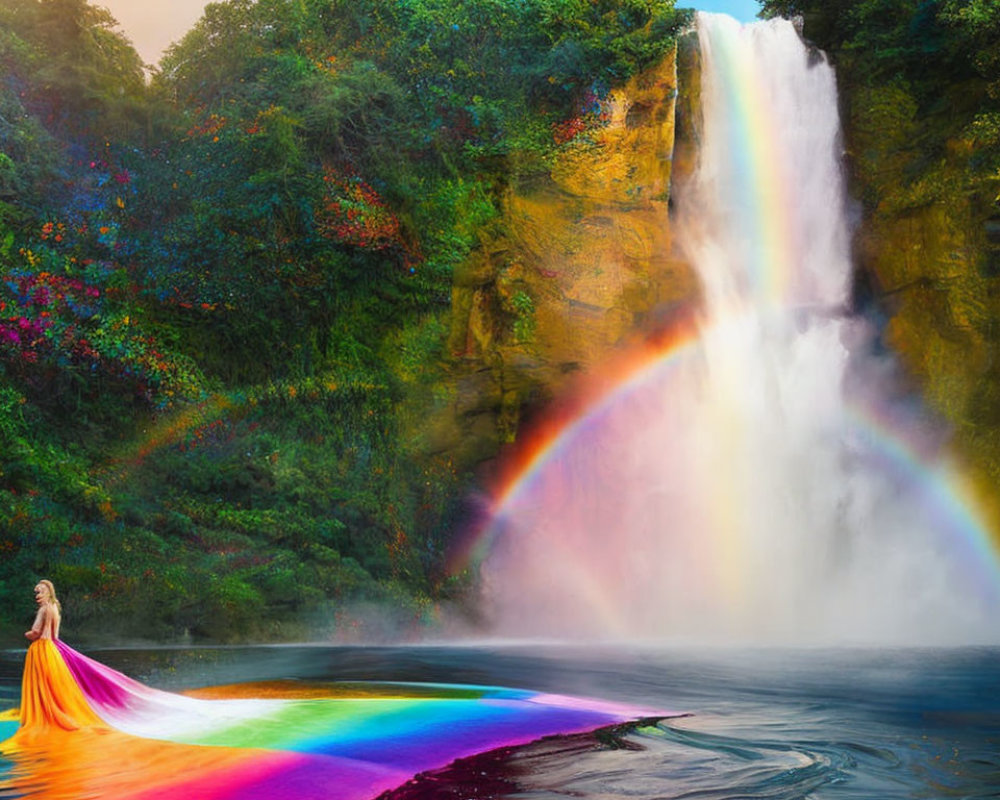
x,y
153,25
743,10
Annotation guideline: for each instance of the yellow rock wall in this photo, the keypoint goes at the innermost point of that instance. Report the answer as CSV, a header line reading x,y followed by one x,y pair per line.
x,y
583,262
925,247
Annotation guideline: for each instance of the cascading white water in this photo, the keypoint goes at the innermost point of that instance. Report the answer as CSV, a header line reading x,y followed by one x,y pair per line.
x,y
764,223
751,484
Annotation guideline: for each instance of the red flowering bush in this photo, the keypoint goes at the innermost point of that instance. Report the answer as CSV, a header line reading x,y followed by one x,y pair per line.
x,y
591,112
73,323
354,213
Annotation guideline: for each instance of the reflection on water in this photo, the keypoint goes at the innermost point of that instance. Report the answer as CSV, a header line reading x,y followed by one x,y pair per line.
x,y
857,724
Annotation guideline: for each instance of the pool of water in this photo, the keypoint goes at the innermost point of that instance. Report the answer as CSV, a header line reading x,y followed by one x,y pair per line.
x,y
820,723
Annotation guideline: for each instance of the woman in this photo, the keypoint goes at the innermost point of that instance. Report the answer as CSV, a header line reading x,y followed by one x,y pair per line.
x,y
50,697
63,690
48,617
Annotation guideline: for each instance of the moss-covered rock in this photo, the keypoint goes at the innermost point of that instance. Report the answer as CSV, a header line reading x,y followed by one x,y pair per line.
x,y
925,248
580,262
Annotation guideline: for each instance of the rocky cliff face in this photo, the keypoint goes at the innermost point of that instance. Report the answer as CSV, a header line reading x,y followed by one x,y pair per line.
x,y
583,259
929,260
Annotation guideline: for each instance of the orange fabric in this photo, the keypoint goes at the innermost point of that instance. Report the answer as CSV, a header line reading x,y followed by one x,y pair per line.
x,y
50,697
106,764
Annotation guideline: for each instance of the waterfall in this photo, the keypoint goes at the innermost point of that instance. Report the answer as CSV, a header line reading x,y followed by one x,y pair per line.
x,y
765,223
759,480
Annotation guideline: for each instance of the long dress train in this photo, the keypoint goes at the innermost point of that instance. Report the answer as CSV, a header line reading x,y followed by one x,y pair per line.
x,y
89,731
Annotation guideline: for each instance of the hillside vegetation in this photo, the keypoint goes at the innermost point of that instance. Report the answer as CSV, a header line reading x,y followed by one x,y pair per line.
x,y
225,292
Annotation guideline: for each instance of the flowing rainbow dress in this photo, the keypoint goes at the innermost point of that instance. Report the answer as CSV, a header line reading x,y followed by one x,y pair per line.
x,y
87,731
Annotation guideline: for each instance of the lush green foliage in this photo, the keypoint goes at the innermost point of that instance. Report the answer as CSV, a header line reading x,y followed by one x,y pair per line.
x,y
224,293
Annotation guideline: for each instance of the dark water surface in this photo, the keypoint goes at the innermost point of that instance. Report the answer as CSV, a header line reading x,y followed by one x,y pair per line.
x,y
841,723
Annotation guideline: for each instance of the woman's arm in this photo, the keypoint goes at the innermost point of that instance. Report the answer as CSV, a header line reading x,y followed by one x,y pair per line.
x,y
39,626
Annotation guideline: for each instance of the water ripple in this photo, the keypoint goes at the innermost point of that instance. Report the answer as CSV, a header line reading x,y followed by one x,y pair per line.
x,y
774,725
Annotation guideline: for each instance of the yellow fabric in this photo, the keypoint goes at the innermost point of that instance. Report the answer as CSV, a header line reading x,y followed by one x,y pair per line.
x,y
50,697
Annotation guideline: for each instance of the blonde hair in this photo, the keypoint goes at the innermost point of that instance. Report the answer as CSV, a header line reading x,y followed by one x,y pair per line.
x,y
52,592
